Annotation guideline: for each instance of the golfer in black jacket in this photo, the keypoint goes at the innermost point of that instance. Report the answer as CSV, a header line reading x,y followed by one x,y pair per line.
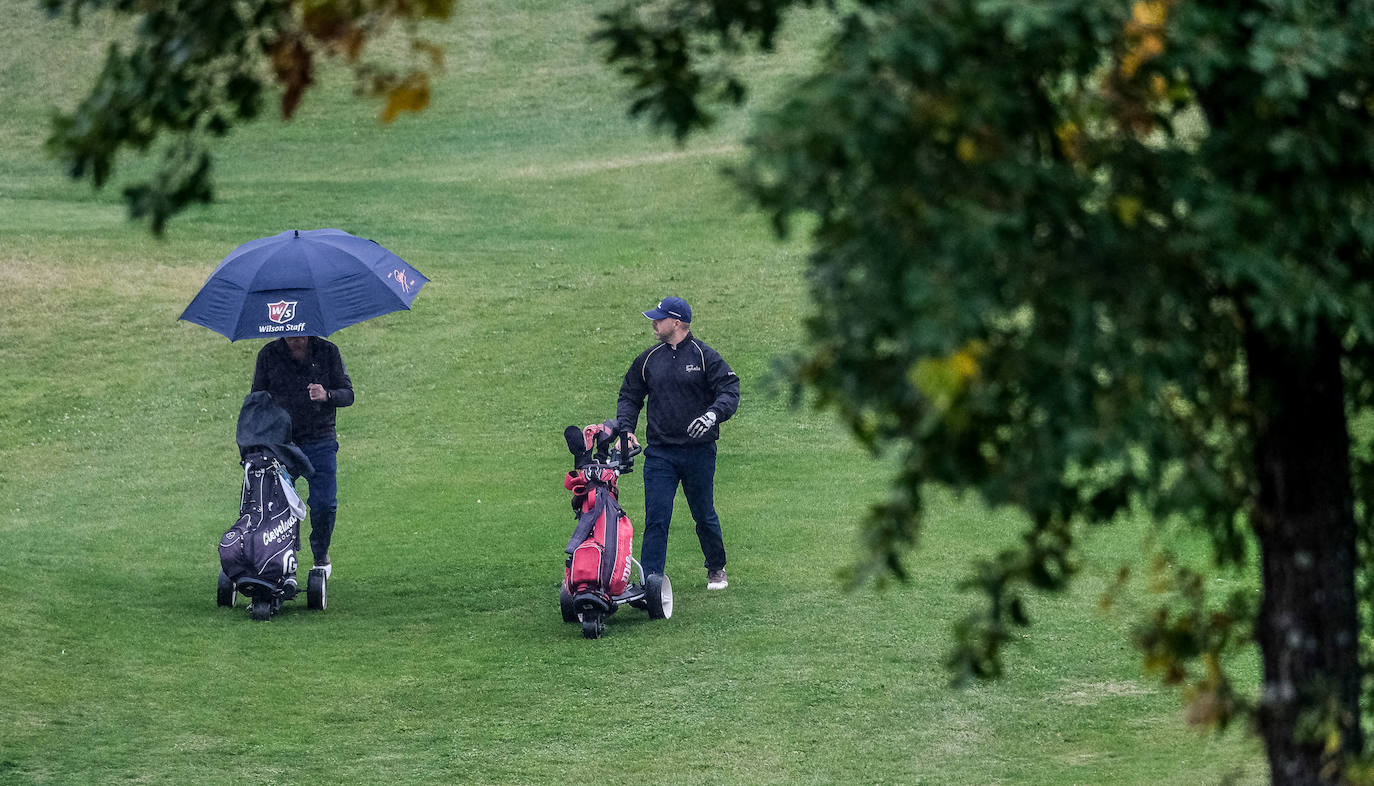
x,y
307,378
691,391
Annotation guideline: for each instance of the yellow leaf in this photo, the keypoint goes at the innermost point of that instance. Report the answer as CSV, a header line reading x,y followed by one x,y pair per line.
x,y
411,95
942,379
1144,35
966,149
1130,63
1127,209
965,363
1151,46
1149,13
1069,137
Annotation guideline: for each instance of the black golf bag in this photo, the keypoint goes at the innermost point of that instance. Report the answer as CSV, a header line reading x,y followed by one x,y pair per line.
x,y
260,549
258,554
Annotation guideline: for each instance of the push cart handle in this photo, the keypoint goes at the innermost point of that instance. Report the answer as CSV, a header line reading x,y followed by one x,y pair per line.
x,y
626,454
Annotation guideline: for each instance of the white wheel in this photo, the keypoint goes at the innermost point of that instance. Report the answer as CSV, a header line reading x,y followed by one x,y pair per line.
x,y
658,590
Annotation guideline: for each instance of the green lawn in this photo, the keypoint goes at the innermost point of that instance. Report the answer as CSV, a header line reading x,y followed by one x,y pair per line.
x,y
546,221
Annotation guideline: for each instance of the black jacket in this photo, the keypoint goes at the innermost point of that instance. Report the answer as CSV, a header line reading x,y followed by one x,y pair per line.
x,y
681,383
279,374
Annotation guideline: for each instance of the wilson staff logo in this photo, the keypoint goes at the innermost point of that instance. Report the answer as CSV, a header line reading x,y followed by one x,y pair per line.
x,y
281,311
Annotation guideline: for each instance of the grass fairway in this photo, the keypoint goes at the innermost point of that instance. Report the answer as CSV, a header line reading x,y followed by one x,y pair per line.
x,y
546,222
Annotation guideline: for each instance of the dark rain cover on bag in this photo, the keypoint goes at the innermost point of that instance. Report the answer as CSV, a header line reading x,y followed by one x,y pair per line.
x,y
262,543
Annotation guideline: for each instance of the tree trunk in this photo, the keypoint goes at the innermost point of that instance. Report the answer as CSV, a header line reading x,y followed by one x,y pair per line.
x,y
1308,623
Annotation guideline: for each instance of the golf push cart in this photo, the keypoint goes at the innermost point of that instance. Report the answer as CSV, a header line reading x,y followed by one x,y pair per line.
x,y
600,570
258,553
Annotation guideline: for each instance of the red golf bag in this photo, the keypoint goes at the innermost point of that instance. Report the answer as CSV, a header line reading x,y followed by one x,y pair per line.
x,y
598,571
600,563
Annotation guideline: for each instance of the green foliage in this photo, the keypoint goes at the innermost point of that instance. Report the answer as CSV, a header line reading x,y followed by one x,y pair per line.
x,y
677,55
547,222
929,141
1044,238
198,68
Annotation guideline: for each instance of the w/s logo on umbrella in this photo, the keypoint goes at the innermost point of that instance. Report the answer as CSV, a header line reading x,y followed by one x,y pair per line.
x,y
281,311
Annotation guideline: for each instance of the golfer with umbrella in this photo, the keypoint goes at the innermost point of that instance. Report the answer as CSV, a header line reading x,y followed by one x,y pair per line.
x,y
296,288
306,377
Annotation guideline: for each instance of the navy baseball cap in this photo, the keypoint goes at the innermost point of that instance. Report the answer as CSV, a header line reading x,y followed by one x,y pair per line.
x,y
671,308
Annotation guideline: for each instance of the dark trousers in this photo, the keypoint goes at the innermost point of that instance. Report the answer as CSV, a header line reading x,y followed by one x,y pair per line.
x,y
694,466
324,494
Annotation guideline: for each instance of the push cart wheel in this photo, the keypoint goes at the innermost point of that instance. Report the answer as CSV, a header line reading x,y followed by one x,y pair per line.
x,y
225,593
315,595
658,591
592,625
260,609
565,604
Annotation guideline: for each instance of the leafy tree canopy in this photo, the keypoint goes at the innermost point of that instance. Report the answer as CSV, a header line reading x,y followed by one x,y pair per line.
x,y
197,68
1088,259
1078,257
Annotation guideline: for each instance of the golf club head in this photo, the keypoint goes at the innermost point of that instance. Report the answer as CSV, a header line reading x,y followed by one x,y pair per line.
x,y
577,446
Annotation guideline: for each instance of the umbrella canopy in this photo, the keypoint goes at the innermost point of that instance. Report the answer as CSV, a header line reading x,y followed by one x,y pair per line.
x,y
302,283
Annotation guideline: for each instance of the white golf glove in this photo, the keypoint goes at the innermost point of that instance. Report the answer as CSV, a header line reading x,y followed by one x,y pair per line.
x,y
702,424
